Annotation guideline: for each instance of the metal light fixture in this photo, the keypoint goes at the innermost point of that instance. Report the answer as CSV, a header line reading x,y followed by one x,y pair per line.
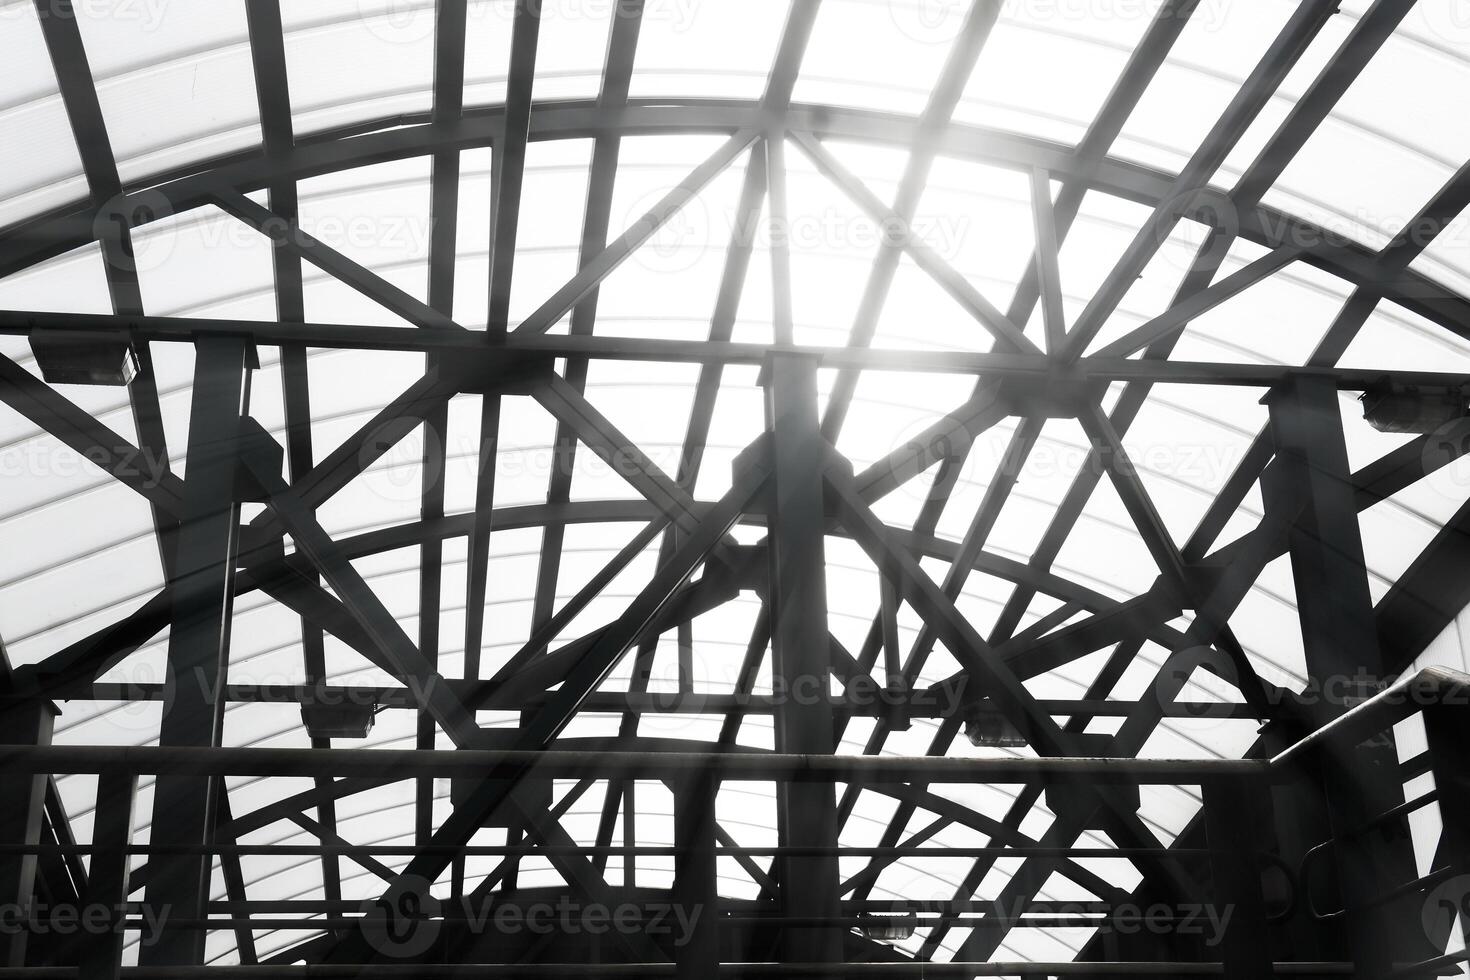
x,y
988,727
84,357
346,720
1411,408
889,928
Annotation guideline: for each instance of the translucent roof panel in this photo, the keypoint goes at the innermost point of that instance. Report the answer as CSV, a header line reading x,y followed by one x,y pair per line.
x,y
558,490
175,81
1013,86
1205,68
851,37
328,46
706,48
39,166
1385,150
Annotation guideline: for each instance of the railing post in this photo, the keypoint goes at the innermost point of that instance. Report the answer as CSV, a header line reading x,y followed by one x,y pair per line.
x,y
696,888
107,874
1237,826
22,809
1447,729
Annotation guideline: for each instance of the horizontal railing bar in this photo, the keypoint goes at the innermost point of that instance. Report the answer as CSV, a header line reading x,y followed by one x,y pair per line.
x,y
610,850
392,764
190,329
919,704
1409,695
442,971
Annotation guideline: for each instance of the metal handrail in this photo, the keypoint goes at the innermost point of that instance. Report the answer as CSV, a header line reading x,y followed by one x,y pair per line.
x,y
1428,687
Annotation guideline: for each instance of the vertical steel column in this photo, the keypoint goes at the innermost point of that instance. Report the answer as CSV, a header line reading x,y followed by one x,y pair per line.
x,y
22,807
199,644
1237,824
696,890
1343,657
800,649
107,875
1447,729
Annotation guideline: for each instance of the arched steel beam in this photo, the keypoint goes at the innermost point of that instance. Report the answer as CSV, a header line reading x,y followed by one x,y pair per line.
x,y
261,567
399,137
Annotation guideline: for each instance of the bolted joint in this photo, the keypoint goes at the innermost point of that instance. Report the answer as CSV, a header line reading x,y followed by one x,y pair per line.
x,y
496,371
752,462
1200,581
898,705
1052,396
1083,802
531,793
1398,408
740,567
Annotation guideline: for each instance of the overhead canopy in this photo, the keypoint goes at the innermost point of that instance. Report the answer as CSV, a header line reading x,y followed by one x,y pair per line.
x,y
1309,164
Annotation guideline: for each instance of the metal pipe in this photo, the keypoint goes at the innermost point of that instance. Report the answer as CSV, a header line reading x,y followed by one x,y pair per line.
x,y
441,971
614,850
921,703
189,329
1430,686
390,764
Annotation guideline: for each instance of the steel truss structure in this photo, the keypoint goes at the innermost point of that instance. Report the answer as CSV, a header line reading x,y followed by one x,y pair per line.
x,y
1299,848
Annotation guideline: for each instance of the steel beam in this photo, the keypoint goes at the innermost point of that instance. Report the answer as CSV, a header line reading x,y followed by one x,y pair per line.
x,y
396,138
199,638
1449,750
450,27
1169,21
806,815
440,383
696,885
1237,815
112,835
381,627
53,412
28,723
1342,654
650,759
598,267
113,217
272,92
1200,303
1187,188
286,232
951,280
538,731
617,74
1046,261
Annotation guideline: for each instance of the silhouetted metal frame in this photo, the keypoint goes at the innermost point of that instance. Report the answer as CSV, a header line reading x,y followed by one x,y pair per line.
x,y
450,130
